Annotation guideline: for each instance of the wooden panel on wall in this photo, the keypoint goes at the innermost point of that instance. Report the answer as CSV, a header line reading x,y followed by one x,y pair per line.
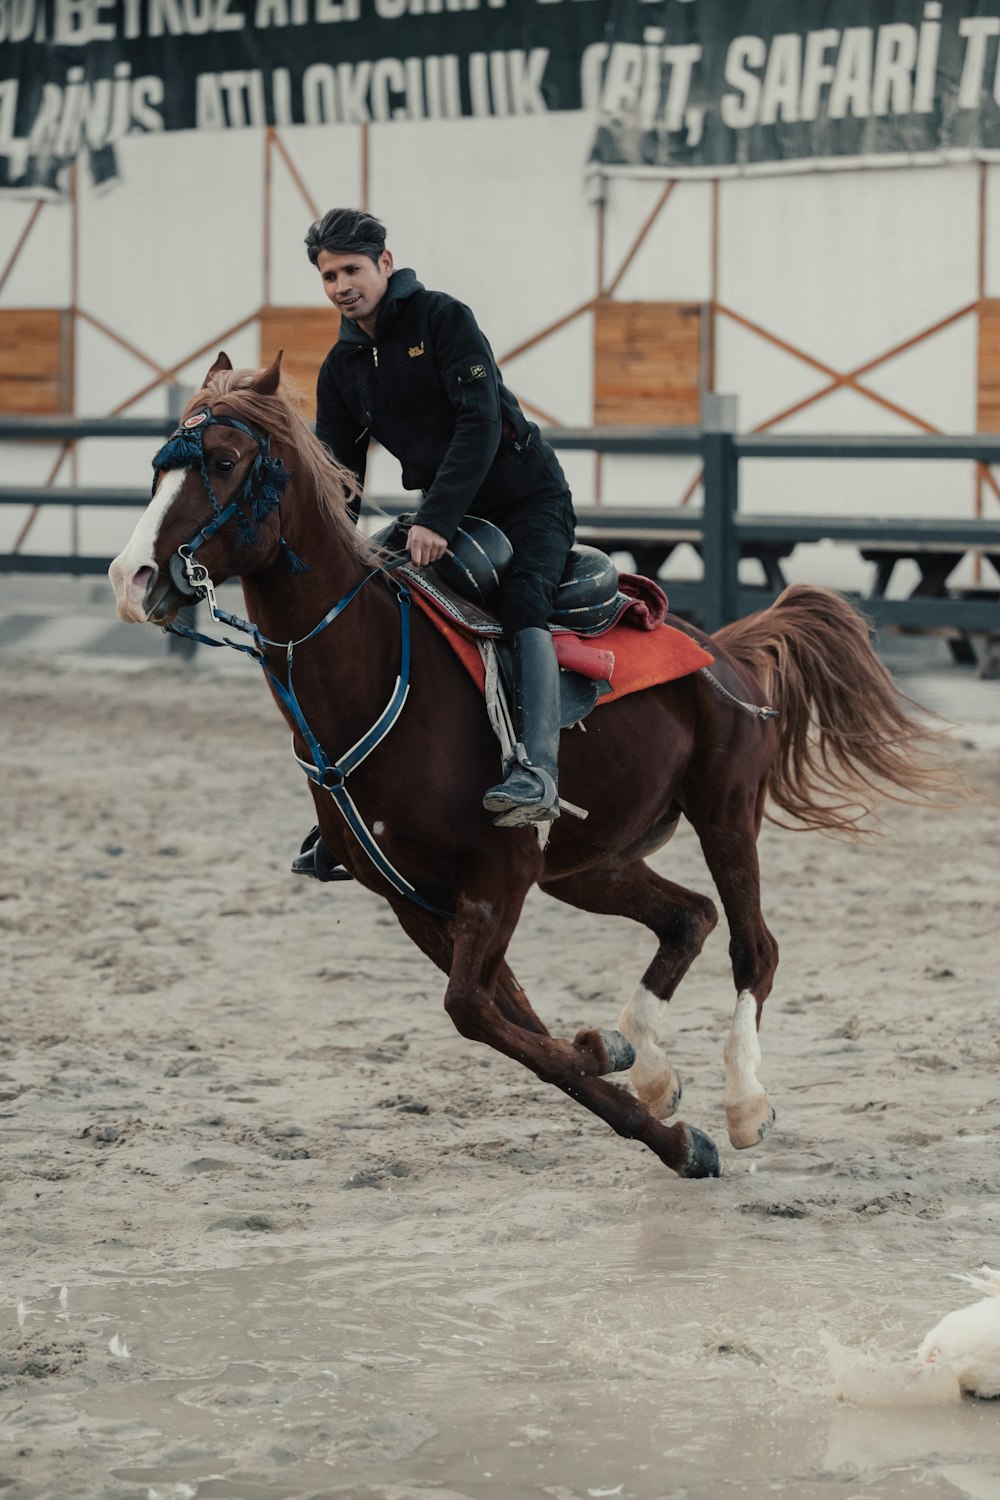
x,y
306,334
647,364
36,345
988,387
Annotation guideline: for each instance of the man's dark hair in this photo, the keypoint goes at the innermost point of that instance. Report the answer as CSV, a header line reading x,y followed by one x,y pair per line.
x,y
345,231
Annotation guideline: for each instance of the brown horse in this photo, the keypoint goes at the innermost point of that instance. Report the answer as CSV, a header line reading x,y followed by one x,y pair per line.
x,y
246,487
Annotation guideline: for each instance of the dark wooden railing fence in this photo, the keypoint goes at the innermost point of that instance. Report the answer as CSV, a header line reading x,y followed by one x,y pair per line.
x,y
719,530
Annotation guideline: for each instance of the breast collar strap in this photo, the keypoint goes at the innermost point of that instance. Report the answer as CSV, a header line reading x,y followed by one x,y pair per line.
x,y
330,775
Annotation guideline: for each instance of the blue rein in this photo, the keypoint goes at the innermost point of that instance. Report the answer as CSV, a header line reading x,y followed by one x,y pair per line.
x,y
331,775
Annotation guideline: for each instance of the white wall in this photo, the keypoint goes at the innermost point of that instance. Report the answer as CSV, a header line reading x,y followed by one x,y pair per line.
x,y
839,265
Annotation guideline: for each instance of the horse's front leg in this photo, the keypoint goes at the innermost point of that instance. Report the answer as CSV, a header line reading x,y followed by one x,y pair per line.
x,y
481,933
595,1050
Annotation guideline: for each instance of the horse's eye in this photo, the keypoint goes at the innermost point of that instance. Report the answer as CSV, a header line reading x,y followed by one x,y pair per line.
x,y
223,465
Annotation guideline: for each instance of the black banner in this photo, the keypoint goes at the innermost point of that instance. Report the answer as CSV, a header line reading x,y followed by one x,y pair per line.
x,y
700,86
716,88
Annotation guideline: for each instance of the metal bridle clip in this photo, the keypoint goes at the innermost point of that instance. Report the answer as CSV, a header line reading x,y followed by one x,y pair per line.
x,y
191,576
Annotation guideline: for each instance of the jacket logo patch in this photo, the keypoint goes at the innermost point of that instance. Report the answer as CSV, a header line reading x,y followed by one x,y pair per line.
x,y
477,372
416,351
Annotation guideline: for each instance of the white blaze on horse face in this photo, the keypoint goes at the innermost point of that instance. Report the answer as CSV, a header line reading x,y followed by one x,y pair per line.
x,y
134,566
749,1115
651,1075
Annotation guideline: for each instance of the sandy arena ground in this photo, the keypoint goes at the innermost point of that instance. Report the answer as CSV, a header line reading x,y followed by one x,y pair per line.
x,y
273,1230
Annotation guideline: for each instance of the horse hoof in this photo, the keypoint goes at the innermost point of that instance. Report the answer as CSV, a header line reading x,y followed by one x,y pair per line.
x,y
702,1158
621,1053
749,1124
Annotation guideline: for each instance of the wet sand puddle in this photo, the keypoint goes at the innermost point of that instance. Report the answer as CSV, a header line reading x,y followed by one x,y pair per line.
x,y
626,1363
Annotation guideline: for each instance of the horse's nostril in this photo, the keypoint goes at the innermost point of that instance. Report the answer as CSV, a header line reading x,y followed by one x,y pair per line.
x,y
131,587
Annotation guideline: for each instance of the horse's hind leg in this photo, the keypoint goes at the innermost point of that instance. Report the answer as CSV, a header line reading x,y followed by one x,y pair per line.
x,y
729,843
681,920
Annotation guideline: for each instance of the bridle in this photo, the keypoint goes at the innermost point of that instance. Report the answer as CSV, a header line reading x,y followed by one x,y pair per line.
x,y
262,491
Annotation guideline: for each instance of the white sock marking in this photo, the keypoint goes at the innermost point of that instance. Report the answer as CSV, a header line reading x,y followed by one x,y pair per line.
x,y
747,1109
651,1075
743,1050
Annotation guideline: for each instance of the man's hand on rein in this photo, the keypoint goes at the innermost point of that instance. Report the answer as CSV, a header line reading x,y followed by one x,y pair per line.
x,y
425,546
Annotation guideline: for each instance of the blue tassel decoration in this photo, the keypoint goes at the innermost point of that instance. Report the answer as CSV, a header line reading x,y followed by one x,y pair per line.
x,y
293,561
268,476
276,475
248,533
274,478
180,449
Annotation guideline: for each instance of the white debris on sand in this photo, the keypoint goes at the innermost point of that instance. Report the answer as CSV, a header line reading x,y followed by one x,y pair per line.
x,y
960,1354
967,1341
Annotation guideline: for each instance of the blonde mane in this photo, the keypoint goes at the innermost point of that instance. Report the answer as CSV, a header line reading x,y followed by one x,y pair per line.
x,y
281,416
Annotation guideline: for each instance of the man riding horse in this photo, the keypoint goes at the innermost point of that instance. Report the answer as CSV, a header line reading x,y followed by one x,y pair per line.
x,y
412,370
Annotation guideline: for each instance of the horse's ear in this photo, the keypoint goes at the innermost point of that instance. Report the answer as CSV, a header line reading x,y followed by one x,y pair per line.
x,y
223,362
266,383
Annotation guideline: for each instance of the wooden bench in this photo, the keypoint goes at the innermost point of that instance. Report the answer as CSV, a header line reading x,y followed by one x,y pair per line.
x,y
935,563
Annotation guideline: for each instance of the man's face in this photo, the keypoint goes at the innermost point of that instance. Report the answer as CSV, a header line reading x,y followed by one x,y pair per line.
x,y
355,284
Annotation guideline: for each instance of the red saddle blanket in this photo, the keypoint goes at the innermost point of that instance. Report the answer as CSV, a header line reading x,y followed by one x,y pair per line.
x,y
638,651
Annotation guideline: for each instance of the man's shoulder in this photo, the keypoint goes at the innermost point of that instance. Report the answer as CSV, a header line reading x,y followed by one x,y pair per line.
x,y
430,314
435,303
439,299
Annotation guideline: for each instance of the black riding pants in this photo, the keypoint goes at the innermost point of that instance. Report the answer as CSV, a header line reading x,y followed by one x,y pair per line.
x,y
541,532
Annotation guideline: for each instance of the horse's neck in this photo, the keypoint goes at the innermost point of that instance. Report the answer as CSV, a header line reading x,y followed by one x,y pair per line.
x,y
286,606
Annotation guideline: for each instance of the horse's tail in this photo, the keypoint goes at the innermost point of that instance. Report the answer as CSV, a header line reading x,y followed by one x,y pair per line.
x,y
847,737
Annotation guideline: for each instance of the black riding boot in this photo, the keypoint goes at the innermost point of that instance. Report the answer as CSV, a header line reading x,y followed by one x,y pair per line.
x,y
530,794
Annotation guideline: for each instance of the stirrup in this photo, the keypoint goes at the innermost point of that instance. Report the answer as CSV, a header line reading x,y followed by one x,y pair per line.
x,y
528,795
315,860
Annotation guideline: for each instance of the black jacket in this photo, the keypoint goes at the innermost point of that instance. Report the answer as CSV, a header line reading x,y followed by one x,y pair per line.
x,y
428,389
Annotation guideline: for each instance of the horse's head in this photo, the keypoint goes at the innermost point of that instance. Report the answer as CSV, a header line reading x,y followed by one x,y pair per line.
x,y
216,489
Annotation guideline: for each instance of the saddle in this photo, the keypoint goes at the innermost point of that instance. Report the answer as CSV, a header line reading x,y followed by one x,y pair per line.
x,y
609,629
